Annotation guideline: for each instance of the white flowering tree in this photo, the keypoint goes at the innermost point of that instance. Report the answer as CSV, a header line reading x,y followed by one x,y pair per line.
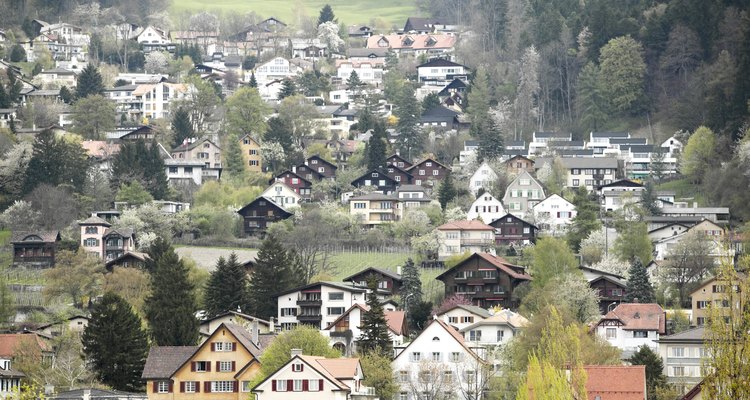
x,y
328,33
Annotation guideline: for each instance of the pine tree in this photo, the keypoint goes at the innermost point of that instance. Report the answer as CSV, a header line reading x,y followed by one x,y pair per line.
x,y
288,88
273,274
89,82
55,162
410,140
227,287
115,344
639,286
648,199
233,157
66,95
154,172
490,141
411,287
376,149
170,308
374,327
654,369
181,126
430,101
353,83
253,81
326,15
586,219
447,191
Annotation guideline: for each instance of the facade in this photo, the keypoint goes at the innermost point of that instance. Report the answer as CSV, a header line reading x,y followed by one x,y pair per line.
x,y
554,214
75,324
428,172
275,69
222,367
458,237
590,172
321,166
282,195
300,185
523,194
203,150
483,178
184,172
461,315
411,197
518,163
10,344
251,154
34,249
486,280
117,242
259,213
682,355
345,331
377,179
629,326
495,330
611,288
440,72
152,101
413,44
92,231
366,71
399,161
709,294
511,230
620,193
387,280
374,209
487,208
399,175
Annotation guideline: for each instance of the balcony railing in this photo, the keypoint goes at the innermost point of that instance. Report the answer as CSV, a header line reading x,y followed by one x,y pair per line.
x,y
342,334
309,318
477,242
304,301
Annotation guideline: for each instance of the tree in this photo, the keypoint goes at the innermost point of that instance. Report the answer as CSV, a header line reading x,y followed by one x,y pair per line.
x,y
553,175
622,73
409,140
648,199
326,15
89,82
76,275
273,274
156,62
227,288
376,149
201,102
303,337
544,381
447,191
170,308
430,101
689,263
131,284
235,163
116,344
551,257
639,285
526,104
253,82
182,128
246,112
142,163
411,287
490,141
586,219
374,328
7,309
55,161
134,194
654,369
591,102
17,54
93,116
69,368
66,95
288,89
633,241
328,33
379,374
657,166
699,154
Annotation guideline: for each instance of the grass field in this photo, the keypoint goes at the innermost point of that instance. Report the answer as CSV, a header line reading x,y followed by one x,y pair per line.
x,y
349,12
684,189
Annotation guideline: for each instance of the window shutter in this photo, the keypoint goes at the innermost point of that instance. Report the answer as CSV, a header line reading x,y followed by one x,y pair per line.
x,y
289,385
234,346
320,385
207,387
233,365
197,387
273,385
301,367
218,366
305,385
171,387
235,385
213,346
208,366
182,387
156,387
192,366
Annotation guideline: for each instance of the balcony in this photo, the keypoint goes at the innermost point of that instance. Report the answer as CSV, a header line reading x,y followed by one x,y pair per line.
x,y
309,301
346,334
310,318
477,242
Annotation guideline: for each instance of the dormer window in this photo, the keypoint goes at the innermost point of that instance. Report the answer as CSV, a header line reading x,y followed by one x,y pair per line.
x,y
297,367
431,41
408,41
382,43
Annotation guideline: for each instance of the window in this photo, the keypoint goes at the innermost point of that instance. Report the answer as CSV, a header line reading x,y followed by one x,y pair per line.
x,y
467,320
92,230
455,357
254,163
500,335
295,181
336,296
470,375
188,170
289,312
575,171
617,292
403,376
246,386
225,366
313,385
437,356
281,385
475,335
576,182
640,334
297,367
700,321
91,242
421,172
678,352
222,386
335,310
190,386
162,387
360,206
223,346
297,385
403,396
678,371
452,320
253,152
202,366
611,333
416,356
435,172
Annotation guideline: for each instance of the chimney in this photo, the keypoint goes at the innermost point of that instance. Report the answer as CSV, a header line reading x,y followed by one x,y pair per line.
x,y
294,169
86,394
296,352
254,331
398,270
271,325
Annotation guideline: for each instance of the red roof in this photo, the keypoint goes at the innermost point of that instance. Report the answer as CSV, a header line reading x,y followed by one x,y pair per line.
x,y
10,342
649,317
504,265
473,225
616,382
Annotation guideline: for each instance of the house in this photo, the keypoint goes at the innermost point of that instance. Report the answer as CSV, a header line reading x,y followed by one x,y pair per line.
x,y
129,259
6,116
222,367
554,214
251,153
92,231
540,140
322,166
282,194
309,49
518,163
376,179
101,153
367,72
388,281
486,280
682,354
413,44
308,172
458,237
327,378
259,213
373,56
673,146
522,194
34,249
204,150
317,304
117,242
10,344
300,185
411,196
610,288
374,209
620,193
600,141
276,69
711,292
154,39
359,31
712,234
667,231
399,175
184,172
153,100
590,172
511,230
617,382
252,324
495,330
486,208
58,77
439,361
462,315
146,133
428,25
484,177
398,161
345,331
440,72
717,215
428,172
629,326
75,324
440,117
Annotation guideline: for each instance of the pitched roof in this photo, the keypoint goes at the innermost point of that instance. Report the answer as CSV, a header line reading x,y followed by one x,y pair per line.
x,y
509,215
337,285
503,317
500,263
244,337
100,148
440,62
622,183
94,220
10,342
377,270
690,335
639,317
163,361
374,196
473,225
96,394
598,271
46,236
128,254
439,112
396,321
418,41
616,382
339,368
124,232
270,201
191,145
619,135
476,310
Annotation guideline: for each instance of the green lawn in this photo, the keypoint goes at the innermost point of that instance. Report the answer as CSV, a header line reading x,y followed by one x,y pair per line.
x,y
349,12
684,188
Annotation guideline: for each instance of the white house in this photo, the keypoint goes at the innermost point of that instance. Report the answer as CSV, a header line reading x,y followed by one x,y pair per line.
x,y
618,194
486,207
282,194
674,145
630,326
153,100
275,69
184,171
483,177
440,72
682,354
498,329
345,331
366,72
458,237
315,378
461,315
437,363
554,214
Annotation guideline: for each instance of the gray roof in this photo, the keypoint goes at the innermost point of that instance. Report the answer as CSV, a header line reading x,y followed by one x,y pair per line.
x,y
173,162
561,143
364,52
695,210
551,135
94,220
374,196
410,188
163,361
628,141
603,162
124,232
690,335
97,394
46,236
610,134
244,337
472,309
337,285
378,270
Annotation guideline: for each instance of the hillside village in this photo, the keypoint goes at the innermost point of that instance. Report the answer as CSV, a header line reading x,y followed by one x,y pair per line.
x,y
457,207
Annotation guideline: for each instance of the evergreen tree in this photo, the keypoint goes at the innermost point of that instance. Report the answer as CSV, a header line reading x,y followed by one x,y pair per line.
x,y
253,81
4,98
17,53
648,199
326,15
430,101
411,288
353,83
639,285
115,344
233,157
280,130
591,101
154,173
138,162
586,219
654,369
66,95
410,140
447,191
227,287
376,149
490,141
288,88
273,274
170,308
181,126
55,161
374,327
89,82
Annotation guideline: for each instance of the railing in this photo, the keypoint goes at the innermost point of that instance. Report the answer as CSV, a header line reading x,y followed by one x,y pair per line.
x,y
478,242
310,318
302,301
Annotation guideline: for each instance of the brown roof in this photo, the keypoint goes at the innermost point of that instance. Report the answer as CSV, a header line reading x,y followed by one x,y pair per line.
x,y
47,236
424,160
244,337
94,220
340,368
163,361
639,317
419,41
473,225
314,362
504,265
396,321
616,382
9,342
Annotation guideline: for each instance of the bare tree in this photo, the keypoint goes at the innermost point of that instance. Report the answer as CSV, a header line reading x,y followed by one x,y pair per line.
x,y
689,262
431,380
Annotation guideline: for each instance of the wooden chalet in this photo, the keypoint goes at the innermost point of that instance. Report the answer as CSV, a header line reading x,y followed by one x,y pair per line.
x,y
387,280
378,179
428,172
399,175
510,229
321,166
259,213
297,182
34,249
399,161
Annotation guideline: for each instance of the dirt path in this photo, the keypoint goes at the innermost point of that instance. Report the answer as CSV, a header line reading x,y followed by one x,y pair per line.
x,y
206,257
